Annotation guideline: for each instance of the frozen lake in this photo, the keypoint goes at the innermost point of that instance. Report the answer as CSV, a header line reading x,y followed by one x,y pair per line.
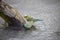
x,y
46,10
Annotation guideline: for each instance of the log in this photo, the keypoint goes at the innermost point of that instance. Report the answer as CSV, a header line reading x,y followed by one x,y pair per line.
x,y
12,12
14,19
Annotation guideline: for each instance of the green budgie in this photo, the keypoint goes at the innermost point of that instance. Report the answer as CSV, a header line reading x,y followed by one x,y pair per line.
x,y
31,21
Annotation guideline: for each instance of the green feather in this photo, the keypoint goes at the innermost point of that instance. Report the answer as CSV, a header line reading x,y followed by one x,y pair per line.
x,y
28,18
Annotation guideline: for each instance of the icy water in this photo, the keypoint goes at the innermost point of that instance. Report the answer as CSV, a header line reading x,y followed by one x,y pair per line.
x,y
46,10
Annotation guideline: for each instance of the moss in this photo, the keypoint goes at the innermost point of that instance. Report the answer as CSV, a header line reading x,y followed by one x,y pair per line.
x,y
5,17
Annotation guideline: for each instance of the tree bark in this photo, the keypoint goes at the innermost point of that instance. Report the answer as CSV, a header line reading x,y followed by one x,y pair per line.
x,y
11,12
11,15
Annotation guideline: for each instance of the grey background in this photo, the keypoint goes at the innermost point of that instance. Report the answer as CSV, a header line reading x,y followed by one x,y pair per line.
x,y
46,10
